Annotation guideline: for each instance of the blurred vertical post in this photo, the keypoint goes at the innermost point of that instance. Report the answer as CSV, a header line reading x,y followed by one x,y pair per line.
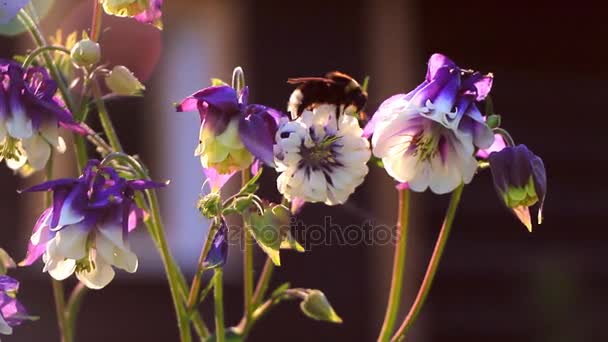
x,y
391,45
202,40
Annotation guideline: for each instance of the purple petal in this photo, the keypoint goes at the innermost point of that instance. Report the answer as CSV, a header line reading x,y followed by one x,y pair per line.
x,y
222,98
481,83
297,203
52,185
77,128
144,184
216,180
255,167
69,209
219,248
12,311
441,91
8,284
436,62
153,15
41,229
244,96
257,134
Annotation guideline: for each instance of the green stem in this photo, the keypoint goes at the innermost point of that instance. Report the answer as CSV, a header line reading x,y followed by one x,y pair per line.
x,y
263,282
59,296
394,298
198,276
508,138
32,56
247,261
73,307
425,287
104,118
218,295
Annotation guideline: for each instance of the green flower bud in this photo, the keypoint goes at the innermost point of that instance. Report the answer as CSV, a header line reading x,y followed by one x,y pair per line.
x,y
86,53
121,81
493,121
316,306
210,205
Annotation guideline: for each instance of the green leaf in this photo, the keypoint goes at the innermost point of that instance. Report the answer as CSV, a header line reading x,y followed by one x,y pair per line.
x,y
289,242
251,186
317,307
268,236
6,262
279,290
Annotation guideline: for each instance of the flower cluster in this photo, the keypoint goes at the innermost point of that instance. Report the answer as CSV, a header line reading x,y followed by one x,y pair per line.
x,y
30,116
428,136
12,313
85,230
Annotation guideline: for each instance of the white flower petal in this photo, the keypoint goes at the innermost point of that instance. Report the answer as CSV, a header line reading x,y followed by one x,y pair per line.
x,y
19,125
98,276
70,242
58,268
38,151
5,329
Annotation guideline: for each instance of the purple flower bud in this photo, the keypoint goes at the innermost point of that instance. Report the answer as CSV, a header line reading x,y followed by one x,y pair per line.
x,y
520,180
219,248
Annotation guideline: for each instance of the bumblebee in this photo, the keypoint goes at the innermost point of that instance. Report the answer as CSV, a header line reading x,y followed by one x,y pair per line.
x,y
335,88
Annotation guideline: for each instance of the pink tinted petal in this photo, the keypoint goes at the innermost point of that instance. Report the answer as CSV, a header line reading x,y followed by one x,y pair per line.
x,y
497,145
40,236
296,205
216,180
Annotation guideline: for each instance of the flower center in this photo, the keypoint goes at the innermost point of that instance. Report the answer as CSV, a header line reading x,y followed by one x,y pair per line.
x,y
425,146
9,149
321,155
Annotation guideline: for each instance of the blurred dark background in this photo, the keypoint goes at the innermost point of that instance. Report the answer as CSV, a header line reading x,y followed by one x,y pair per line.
x,y
496,281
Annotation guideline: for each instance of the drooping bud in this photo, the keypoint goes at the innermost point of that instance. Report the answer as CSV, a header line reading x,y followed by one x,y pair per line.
x,y
316,306
86,53
121,81
520,180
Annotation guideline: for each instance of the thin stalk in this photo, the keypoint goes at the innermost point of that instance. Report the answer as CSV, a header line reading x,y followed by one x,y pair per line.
x,y
263,282
73,307
247,260
198,276
218,295
96,20
104,118
32,56
431,270
59,296
394,298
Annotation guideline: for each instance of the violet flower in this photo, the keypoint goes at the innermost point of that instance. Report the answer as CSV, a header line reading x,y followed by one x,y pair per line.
x,y
9,10
428,137
86,228
232,131
12,313
219,247
30,116
520,180
152,15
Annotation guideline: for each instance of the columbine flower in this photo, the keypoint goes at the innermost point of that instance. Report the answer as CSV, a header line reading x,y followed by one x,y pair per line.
x,y
219,247
321,158
9,10
520,180
427,137
12,313
144,11
85,231
232,132
29,116
152,15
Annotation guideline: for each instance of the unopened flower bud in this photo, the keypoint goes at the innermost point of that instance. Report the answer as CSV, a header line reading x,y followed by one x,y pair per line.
x,y
210,205
85,53
316,306
121,81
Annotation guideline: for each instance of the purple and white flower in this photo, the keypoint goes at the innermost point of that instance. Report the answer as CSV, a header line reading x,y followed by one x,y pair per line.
x,y
30,116
428,137
320,158
12,313
232,132
520,180
86,228
152,15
